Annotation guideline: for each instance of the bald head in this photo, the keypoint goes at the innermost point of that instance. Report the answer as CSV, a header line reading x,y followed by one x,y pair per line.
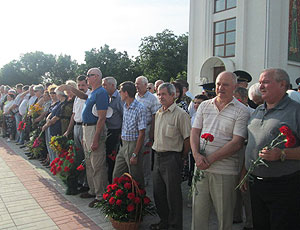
x,y
225,85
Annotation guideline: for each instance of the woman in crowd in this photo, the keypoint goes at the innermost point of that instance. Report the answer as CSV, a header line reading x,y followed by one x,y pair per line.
x,y
9,118
179,92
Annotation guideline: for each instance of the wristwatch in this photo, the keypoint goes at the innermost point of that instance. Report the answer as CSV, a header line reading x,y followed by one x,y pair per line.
x,y
283,155
134,155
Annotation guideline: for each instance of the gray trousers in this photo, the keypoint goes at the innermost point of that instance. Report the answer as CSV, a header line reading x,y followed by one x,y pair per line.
x,y
123,165
167,188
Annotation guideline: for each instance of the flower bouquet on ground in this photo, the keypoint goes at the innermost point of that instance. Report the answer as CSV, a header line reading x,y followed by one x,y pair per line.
x,y
285,136
125,203
199,174
21,126
36,144
65,164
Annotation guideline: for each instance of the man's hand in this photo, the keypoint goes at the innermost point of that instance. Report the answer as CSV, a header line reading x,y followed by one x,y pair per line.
x,y
201,161
133,160
95,145
66,134
244,187
45,126
270,155
63,87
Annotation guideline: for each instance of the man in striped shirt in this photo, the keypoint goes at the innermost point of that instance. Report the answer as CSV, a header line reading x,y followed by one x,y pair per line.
x,y
226,119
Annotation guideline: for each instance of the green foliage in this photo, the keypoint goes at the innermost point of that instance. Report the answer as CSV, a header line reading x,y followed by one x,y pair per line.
x,y
163,56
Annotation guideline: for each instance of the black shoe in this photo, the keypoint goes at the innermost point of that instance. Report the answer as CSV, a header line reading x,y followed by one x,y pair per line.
x,y
83,189
93,203
22,146
86,195
28,153
32,157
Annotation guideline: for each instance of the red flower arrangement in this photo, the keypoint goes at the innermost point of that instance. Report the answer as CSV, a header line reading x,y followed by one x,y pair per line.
x,y
124,201
199,175
21,126
285,136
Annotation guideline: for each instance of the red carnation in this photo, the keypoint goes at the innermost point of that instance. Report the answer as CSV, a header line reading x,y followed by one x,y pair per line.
x,y
54,173
114,186
285,130
291,141
119,192
66,169
147,200
56,159
58,169
142,191
68,157
131,196
71,160
119,202
52,163
127,185
207,137
105,196
116,179
80,168
108,186
120,180
112,200
60,163
130,207
137,200
24,125
61,155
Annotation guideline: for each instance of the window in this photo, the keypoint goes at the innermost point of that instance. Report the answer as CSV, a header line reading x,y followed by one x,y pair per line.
x,y
224,38
221,5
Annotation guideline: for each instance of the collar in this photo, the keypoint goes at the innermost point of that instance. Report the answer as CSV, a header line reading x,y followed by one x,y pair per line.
x,y
234,101
145,95
285,100
115,94
132,105
171,108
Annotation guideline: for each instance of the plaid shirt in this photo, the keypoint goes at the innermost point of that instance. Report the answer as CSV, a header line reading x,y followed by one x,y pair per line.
x,y
134,120
151,103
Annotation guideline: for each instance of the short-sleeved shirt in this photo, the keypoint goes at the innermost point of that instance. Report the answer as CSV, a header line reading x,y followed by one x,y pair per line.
x,y
17,102
150,102
172,127
115,121
98,97
65,114
231,120
134,120
78,107
263,127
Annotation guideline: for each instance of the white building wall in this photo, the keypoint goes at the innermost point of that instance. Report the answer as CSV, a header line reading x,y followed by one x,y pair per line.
x,y
261,37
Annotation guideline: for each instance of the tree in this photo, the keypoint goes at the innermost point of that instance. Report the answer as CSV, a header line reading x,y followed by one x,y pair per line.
x,y
163,56
111,63
11,74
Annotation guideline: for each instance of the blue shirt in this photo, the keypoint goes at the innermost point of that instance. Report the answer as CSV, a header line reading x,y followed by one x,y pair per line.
x,y
99,97
134,120
55,129
115,121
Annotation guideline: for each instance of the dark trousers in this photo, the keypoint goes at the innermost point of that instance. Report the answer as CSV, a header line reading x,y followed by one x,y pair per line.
x,y
112,147
167,188
276,203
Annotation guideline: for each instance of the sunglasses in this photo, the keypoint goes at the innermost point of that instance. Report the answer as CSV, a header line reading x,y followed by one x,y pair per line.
x,y
92,74
52,93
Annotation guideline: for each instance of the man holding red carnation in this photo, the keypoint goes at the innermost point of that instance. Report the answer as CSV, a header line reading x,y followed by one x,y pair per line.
x,y
226,119
275,191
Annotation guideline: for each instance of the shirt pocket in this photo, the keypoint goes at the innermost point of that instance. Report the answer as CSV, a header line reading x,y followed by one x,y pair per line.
x,y
171,131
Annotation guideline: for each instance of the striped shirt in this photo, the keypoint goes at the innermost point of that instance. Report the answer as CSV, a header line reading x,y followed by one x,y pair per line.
x,y
150,102
134,120
231,120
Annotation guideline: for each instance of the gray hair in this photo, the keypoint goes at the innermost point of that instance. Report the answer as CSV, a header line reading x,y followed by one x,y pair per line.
x,y
233,75
279,75
58,92
170,88
242,92
38,88
254,91
71,83
143,78
97,70
110,80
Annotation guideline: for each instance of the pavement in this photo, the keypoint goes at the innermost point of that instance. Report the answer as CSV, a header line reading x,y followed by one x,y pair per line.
x,y
32,198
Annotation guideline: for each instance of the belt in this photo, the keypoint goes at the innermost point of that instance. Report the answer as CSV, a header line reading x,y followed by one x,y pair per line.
x,y
277,179
78,123
89,124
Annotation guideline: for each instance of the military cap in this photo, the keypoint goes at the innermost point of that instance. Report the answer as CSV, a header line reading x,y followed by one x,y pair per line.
x,y
243,76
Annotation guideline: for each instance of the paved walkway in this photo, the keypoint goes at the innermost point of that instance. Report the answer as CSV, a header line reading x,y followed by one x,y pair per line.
x,y
32,198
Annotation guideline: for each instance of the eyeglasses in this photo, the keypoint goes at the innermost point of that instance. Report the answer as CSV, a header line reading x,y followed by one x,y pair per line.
x,y
52,93
92,74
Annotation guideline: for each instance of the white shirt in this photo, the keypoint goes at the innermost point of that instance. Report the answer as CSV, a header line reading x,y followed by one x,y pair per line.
x,y
78,107
23,106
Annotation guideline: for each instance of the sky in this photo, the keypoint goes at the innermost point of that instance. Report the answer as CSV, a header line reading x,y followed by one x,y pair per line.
x,y
74,26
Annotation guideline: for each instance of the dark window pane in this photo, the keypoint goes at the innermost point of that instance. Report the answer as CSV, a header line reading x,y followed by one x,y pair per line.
x,y
230,50
231,3
230,24
220,27
220,5
230,37
219,39
219,51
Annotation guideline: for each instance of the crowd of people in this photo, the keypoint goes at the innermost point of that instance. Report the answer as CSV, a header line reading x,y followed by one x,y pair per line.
x,y
154,131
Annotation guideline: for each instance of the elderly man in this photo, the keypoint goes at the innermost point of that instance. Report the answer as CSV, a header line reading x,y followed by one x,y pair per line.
x,y
275,191
94,134
130,156
254,94
226,119
171,145
113,123
150,87
152,105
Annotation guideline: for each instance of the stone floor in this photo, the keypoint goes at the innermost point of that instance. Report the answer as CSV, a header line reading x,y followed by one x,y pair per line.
x,y
32,198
